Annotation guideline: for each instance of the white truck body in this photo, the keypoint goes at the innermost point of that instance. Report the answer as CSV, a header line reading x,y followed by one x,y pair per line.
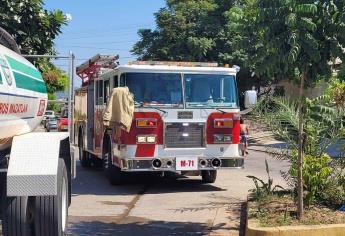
x,y
23,96
35,167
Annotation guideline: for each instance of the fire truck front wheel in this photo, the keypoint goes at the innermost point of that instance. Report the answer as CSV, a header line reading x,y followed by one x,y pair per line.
x,y
209,176
112,172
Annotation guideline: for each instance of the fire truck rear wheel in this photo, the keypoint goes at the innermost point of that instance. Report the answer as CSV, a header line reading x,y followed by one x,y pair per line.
x,y
51,212
84,157
112,172
209,176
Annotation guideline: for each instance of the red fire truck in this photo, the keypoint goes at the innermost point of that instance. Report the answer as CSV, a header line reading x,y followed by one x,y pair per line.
x,y
186,118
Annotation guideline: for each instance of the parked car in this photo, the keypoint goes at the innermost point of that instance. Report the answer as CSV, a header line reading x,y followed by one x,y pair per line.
x,y
51,124
47,115
63,120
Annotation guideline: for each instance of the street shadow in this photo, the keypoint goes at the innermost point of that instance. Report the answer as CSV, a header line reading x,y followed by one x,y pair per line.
x,y
139,226
236,211
93,181
273,145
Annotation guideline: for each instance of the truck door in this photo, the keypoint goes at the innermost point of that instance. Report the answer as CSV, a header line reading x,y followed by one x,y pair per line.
x,y
90,115
98,120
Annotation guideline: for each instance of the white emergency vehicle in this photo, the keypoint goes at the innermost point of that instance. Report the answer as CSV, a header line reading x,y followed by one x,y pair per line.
x,y
186,118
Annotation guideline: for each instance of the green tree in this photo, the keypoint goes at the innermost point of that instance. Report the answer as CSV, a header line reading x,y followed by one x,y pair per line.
x,y
301,37
189,30
323,128
206,30
34,29
55,78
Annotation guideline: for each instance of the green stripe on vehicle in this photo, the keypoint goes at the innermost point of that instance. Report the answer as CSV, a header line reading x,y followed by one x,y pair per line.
x,y
28,83
19,66
0,78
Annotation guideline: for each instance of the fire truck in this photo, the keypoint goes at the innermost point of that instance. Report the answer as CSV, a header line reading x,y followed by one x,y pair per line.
x,y
186,118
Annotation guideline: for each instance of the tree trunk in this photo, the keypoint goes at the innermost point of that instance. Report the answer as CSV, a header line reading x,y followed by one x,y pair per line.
x,y
300,208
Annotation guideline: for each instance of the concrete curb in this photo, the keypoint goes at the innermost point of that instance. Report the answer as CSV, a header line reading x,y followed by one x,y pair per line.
x,y
252,229
302,230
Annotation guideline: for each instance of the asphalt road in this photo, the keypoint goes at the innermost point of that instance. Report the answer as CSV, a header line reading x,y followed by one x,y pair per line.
x,y
166,206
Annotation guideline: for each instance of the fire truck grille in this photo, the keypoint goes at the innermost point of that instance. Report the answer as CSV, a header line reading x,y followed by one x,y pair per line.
x,y
184,135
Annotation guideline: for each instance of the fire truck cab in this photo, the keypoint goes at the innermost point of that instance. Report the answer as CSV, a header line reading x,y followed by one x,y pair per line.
x,y
186,119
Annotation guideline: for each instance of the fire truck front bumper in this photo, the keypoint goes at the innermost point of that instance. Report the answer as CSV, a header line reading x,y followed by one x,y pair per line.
x,y
176,164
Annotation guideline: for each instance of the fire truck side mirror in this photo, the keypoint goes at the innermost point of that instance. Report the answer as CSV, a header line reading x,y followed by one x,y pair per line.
x,y
250,98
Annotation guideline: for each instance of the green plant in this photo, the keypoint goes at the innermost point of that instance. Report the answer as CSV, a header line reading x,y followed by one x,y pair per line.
x,y
316,173
333,194
323,128
266,188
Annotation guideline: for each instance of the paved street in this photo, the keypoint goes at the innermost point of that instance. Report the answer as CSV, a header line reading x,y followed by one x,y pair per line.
x,y
164,206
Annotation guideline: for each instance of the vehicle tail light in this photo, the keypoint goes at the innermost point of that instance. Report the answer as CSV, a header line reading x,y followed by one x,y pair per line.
x,y
223,128
146,123
223,123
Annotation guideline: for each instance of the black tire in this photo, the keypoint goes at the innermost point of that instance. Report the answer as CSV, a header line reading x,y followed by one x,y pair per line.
x,y
84,156
2,193
112,172
209,176
51,212
18,217
8,41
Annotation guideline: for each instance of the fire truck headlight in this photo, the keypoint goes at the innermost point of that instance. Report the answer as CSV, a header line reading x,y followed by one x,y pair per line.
x,y
146,139
151,139
141,139
222,138
227,138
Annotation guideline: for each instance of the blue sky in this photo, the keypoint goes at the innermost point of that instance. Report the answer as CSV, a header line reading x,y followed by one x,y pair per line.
x,y
103,26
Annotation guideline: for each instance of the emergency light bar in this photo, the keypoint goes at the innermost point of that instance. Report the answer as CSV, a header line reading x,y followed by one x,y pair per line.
x,y
174,63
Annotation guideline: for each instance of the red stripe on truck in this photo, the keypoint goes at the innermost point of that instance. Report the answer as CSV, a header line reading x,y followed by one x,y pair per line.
x,y
145,150
130,138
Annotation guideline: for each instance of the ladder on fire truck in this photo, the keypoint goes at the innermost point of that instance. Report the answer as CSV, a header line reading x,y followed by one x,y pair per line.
x,y
92,67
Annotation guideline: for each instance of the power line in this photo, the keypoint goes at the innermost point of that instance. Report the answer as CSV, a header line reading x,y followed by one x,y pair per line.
x,y
111,42
133,26
100,36
86,47
85,59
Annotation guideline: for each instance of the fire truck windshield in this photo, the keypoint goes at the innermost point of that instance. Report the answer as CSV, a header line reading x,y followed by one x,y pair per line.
x,y
165,90
155,89
210,91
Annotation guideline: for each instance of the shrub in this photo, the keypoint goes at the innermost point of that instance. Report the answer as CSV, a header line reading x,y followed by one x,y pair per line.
x,y
265,189
316,173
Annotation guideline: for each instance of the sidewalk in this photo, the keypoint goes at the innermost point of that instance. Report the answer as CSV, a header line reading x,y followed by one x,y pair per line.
x,y
263,141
